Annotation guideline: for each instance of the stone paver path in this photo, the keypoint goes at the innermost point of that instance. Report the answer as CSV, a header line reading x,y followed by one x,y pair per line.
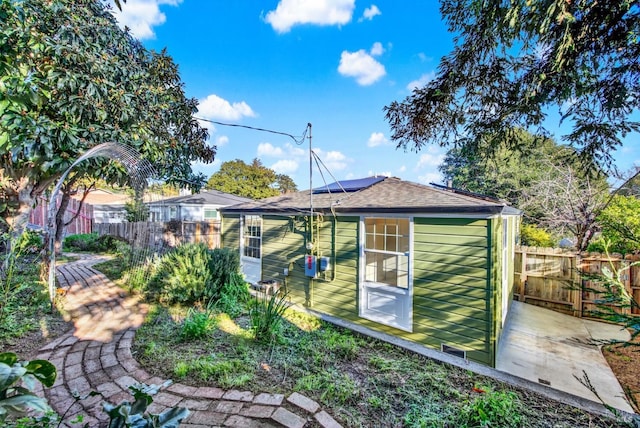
x,y
96,356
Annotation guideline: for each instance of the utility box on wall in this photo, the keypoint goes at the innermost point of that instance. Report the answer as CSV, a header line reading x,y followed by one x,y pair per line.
x,y
310,267
325,263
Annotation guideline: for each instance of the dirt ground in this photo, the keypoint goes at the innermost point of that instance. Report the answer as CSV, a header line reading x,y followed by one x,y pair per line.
x,y
624,360
27,346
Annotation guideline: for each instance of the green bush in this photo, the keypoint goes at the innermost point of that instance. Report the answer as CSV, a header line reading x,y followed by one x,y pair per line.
x,y
534,236
182,275
224,265
197,324
91,242
491,408
30,242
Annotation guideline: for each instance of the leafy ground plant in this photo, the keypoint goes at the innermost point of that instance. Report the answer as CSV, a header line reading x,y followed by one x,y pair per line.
x,y
266,315
17,384
134,414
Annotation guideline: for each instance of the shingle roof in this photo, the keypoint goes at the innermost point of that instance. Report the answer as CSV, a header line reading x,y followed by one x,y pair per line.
x,y
390,195
206,197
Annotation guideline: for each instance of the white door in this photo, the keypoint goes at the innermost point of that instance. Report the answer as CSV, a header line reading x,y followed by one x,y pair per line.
x,y
386,282
251,248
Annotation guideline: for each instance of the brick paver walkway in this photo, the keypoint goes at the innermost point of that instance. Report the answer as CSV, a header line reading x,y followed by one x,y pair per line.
x,y
96,356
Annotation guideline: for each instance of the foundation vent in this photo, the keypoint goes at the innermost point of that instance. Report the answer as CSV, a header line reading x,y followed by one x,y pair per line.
x,y
453,351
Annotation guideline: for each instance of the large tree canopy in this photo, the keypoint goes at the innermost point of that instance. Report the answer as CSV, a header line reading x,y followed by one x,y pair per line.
x,y
250,180
70,79
514,61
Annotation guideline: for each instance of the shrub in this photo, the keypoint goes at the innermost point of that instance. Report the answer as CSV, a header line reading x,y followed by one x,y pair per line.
x,y
234,294
182,275
266,315
30,242
91,242
491,408
535,236
224,265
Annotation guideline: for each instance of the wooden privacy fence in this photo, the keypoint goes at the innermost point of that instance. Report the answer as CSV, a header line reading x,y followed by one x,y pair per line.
x,y
147,234
552,278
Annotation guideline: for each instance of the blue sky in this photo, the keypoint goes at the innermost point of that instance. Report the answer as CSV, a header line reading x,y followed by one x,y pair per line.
x,y
280,64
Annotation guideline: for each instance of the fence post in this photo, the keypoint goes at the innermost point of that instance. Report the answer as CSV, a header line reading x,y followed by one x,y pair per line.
x,y
577,286
523,274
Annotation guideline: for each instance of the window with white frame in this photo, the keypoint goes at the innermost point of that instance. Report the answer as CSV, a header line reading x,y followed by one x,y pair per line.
x,y
210,214
252,236
387,251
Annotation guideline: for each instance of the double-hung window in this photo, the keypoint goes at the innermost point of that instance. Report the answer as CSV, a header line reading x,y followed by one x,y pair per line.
x,y
252,236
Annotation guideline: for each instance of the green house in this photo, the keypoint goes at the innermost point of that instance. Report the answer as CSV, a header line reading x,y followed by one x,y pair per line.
x,y
431,265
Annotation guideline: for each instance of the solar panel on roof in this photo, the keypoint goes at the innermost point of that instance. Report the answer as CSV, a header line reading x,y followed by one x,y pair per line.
x,y
348,185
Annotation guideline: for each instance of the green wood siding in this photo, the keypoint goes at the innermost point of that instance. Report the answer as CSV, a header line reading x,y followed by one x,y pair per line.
x,y
451,303
336,292
283,246
231,231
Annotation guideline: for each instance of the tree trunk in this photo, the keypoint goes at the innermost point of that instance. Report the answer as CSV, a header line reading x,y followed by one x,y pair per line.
x,y
20,202
62,209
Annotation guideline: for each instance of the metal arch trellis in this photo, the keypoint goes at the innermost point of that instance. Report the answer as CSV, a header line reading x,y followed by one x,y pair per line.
x,y
140,171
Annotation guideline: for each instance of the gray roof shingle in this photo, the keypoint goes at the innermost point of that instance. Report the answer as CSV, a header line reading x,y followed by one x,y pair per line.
x,y
390,195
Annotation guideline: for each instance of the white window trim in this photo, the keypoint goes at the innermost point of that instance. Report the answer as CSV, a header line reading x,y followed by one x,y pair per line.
x,y
242,237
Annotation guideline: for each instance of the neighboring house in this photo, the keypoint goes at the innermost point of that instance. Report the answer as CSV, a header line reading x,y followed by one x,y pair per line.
x,y
203,206
429,265
108,207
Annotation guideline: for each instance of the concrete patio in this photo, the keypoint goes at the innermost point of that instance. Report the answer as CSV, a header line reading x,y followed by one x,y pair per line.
x,y
553,349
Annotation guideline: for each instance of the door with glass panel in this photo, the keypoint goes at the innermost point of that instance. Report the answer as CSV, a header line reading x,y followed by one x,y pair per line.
x,y
386,289
251,248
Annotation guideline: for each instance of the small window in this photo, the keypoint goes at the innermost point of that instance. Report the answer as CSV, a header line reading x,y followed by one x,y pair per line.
x,y
210,214
173,213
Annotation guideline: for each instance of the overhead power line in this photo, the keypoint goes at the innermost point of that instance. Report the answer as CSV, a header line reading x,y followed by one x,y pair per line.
x,y
298,140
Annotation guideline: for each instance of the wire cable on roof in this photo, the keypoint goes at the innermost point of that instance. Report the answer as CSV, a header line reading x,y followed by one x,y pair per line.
x,y
325,167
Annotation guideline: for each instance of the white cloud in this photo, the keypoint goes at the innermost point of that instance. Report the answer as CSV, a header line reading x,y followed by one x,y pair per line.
x,y
433,158
422,81
269,150
214,107
222,140
377,49
362,66
333,160
377,139
380,174
430,177
289,13
402,168
142,15
370,12
285,166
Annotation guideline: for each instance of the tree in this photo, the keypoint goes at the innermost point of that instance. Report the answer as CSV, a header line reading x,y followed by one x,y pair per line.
x,y
504,173
70,79
285,184
620,223
251,181
568,202
513,61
